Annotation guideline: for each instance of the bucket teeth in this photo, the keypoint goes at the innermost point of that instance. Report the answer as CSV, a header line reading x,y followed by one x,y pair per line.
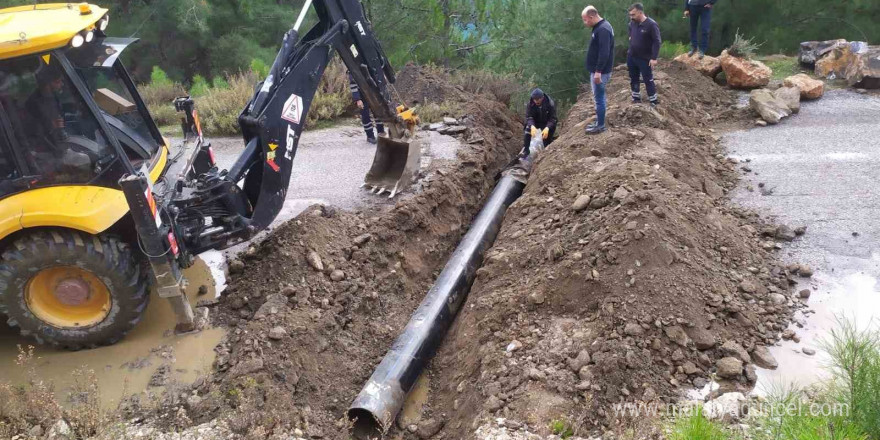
x,y
394,166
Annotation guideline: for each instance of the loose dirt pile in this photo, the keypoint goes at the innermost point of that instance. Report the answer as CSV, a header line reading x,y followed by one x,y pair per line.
x,y
621,275
313,308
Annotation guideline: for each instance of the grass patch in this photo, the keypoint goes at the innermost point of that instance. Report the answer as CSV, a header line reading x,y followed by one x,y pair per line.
x,y
430,112
783,66
672,49
695,426
561,428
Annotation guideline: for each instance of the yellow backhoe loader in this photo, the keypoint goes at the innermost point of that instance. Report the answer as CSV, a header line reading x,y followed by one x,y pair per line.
x,y
90,214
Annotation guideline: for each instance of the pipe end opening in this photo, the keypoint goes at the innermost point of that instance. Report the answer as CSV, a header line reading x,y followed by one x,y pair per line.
x,y
364,425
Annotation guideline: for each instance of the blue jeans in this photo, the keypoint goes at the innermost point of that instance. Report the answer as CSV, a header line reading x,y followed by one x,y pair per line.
x,y
599,97
701,17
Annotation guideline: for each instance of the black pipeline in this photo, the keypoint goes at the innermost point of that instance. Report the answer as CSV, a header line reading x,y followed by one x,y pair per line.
x,y
374,409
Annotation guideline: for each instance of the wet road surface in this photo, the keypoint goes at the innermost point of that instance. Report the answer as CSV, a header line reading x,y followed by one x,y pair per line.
x,y
820,168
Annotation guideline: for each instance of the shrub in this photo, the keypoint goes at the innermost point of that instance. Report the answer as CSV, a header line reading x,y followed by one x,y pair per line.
x,y
159,77
694,426
164,114
333,97
500,86
743,47
260,67
855,372
672,49
433,112
219,108
199,86
219,82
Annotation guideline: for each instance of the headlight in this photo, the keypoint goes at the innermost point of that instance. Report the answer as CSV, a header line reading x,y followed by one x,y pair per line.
x,y
77,40
90,35
102,25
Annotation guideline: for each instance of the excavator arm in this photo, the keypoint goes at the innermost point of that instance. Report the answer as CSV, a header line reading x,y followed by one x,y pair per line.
x,y
205,207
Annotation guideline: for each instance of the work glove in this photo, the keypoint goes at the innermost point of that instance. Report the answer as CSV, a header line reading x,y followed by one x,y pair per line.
x,y
545,133
534,131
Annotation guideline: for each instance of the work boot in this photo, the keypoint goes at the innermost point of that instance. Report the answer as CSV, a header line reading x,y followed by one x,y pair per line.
x,y
591,125
692,52
655,102
595,130
637,100
371,139
701,55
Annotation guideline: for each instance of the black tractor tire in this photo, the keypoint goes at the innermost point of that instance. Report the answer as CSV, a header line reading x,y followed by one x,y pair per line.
x,y
108,258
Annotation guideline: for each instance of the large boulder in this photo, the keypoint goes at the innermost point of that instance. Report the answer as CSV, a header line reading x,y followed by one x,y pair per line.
x,y
744,74
812,51
836,62
771,108
791,96
864,71
810,88
709,66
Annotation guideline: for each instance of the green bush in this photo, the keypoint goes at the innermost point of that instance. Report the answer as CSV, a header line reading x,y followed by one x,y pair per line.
x,y
743,47
219,108
200,86
164,115
220,82
260,67
855,371
672,49
695,426
333,97
158,77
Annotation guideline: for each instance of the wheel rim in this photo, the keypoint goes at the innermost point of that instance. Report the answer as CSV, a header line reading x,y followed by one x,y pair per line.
x,y
68,297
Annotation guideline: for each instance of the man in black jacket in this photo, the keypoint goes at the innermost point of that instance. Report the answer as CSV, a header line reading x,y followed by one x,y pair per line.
x,y
540,119
600,61
644,48
700,12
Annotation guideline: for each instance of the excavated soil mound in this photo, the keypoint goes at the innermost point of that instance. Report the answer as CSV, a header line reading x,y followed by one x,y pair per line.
x,y
621,275
313,308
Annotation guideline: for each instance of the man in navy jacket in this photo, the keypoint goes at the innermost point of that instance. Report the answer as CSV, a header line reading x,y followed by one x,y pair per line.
x,y
644,48
700,12
600,61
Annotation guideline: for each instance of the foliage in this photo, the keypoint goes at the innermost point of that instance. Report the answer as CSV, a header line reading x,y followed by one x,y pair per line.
x,y
199,86
260,67
695,426
672,49
219,108
561,428
743,47
855,370
783,66
430,112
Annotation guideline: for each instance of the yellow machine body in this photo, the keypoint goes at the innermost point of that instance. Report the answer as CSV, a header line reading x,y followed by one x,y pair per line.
x,y
42,27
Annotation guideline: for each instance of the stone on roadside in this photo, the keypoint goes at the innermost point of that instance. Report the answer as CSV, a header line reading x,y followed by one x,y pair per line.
x,y
791,96
677,335
761,357
620,193
708,66
450,121
768,106
729,367
808,351
744,74
703,338
731,348
236,266
812,51
726,408
805,293
576,363
810,88
864,71
436,126
805,271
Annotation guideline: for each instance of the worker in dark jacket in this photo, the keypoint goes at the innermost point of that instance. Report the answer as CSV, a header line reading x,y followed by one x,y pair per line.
x,y
366,120
700,12
600,61
644,48
540,119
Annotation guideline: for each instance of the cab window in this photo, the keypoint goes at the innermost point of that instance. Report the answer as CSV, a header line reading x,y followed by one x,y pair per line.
x,y
59,136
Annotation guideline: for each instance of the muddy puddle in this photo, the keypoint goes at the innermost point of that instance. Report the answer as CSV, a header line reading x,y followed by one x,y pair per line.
x,y
149,358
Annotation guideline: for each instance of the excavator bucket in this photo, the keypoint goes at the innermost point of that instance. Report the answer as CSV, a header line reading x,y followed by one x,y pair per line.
x,y
394,165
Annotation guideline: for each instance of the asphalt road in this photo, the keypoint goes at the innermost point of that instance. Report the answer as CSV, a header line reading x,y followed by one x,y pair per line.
x,y
820,168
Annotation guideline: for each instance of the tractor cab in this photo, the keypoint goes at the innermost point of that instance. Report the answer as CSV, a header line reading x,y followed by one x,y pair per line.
x,y
66,108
